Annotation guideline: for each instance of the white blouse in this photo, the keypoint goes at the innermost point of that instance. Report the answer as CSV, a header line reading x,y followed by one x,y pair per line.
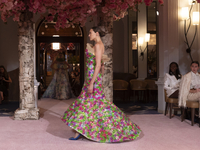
x,y
171,84
195,81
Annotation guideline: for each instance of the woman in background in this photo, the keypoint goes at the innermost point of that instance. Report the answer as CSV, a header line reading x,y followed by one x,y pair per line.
x,y
190,86
172,80
4,83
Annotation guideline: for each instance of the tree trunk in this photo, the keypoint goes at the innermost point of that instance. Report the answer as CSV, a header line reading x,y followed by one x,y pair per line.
x,y
106,25
26,33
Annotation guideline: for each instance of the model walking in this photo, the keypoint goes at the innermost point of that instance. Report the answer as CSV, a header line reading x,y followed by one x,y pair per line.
x,y
91,115
60,87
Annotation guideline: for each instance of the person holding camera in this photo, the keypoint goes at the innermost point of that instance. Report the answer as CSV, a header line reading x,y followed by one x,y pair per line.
x,y
4,83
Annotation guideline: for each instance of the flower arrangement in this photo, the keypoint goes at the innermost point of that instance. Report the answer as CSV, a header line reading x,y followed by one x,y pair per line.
x,y
68,12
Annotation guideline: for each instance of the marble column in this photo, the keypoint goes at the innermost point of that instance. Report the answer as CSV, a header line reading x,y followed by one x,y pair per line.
x,y
26,33
108,73
106,25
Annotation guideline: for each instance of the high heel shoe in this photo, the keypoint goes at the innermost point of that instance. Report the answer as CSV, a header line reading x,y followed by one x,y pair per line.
x,y
76,138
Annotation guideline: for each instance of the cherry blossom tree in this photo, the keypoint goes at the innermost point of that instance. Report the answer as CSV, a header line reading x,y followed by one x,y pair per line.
x,y
65,13
68,12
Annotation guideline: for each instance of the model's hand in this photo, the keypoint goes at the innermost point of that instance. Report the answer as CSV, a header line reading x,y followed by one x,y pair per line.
x,y
90,89
193,91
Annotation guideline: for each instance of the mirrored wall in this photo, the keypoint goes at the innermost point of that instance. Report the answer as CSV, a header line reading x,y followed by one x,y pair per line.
x,y
143,58
152,44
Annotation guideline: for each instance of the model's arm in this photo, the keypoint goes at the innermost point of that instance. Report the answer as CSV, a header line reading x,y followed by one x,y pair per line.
x,y
193,90
9,80
98,56
67,64
52,65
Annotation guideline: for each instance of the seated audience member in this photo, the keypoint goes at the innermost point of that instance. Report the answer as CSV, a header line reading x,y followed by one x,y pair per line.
x,y
172,81
4,83
190,85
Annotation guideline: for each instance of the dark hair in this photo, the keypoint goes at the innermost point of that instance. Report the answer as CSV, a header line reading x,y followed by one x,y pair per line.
x,y
98,29
178,74
5,73
194,62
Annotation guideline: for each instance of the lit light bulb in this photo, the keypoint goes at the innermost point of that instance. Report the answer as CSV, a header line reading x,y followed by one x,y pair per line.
x,y
147,37
185,13
195,18
140,41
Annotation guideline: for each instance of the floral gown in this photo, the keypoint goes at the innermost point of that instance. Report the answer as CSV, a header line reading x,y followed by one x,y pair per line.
x,y
95,117
60,87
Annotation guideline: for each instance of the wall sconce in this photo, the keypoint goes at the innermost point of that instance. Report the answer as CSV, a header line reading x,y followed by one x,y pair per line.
x,y
140,43
186,16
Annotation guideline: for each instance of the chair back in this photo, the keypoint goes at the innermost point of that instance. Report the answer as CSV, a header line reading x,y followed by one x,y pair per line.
x,y
151,85
138,84
120,85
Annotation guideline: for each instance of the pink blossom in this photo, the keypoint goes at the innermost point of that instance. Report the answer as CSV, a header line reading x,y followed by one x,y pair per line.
x,y
148,2
124,6
9,5
161,1
16,17
69,11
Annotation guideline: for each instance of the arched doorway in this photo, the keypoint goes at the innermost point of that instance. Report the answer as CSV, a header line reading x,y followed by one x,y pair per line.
x,y
71,41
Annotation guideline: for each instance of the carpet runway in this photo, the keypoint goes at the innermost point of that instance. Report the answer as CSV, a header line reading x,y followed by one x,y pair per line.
x,y
50,133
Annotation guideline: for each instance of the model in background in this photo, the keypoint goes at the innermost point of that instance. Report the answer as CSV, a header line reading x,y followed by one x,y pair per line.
x,y
60,87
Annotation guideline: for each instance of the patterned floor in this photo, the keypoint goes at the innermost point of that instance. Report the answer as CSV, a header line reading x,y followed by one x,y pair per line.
x,y
138,107
8,108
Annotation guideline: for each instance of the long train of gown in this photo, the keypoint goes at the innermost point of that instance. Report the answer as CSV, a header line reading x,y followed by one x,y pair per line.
x,y
95,117
60,87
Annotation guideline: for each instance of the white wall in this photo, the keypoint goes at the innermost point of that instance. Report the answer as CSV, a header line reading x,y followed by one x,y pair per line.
x,y
184,59
171,43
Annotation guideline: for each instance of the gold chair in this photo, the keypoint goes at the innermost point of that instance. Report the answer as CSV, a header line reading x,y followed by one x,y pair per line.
x,y
169,104
193,105
152,89
120,85
138,85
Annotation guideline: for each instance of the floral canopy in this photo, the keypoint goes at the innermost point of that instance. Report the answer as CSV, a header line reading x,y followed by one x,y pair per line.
x,y
68,12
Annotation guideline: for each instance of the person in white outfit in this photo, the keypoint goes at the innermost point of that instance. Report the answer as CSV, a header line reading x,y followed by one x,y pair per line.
x,y
172,81
190,86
